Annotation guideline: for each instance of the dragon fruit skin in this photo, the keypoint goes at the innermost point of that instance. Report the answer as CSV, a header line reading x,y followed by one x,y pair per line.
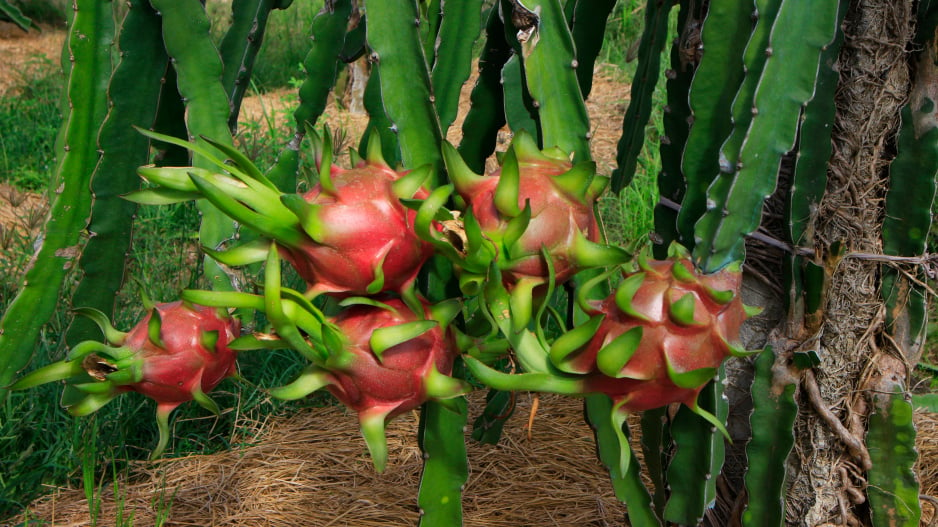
x,y
183,365
349,235
655,341
555,218
177,353
560,196
396,381
380,384
367,243
688,323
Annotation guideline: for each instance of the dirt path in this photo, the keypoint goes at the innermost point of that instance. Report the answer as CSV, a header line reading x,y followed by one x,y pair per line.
x,y
21,52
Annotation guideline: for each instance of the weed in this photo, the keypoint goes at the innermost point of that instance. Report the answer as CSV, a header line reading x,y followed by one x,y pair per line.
x,y
28,125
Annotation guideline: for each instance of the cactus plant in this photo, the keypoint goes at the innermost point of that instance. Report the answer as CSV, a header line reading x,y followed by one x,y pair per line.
x,y
755,109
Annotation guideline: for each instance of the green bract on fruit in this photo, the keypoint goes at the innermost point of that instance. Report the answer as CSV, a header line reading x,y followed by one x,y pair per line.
x,y
656,340
384,360
177,353
537,205
349,235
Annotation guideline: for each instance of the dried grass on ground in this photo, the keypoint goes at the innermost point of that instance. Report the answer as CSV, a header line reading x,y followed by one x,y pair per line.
x,y
312,470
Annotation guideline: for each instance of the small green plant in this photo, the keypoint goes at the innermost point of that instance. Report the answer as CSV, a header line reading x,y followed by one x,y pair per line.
x,y
29,120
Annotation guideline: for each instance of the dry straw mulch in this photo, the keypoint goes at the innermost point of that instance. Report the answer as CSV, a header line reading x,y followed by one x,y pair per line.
x,y
312,470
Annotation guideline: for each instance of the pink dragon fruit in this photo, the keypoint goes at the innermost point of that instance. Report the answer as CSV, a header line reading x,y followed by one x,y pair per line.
x,y
362,236
657,340
349,235
384,360
537,201
177,353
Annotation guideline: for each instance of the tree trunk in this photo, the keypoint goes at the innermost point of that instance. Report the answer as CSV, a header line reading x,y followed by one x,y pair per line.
x,y
830,458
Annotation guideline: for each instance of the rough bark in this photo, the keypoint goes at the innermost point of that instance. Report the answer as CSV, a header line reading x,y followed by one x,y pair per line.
x,y
827,484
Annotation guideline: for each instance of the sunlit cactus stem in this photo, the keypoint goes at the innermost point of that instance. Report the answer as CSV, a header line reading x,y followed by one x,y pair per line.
x,y
133,96
90,36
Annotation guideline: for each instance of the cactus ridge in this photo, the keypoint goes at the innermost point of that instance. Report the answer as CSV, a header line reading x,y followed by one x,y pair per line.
x,y
737,206
199,72
35,302
890,438
724,34
486,113
452,53
772,419
676,119
550,64
142,64
405,82
653,40
239,49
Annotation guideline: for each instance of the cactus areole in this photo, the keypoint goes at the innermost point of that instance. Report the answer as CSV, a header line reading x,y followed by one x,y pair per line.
x,y
384,360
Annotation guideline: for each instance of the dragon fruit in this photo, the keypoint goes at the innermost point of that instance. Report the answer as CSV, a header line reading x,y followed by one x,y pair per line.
x,y
384,360
177,353
657,340
349,235
537,202
363,238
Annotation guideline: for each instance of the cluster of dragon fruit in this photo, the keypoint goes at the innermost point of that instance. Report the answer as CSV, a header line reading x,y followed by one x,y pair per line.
x,y
648,333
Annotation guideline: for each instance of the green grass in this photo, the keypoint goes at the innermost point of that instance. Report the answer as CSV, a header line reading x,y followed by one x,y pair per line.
x,y
29,120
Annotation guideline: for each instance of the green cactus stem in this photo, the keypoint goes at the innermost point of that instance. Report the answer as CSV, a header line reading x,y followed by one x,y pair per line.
x,y
735,201
12,13
452,56
499,406
199,72
771,422
654,38
378,122
445,466
587,21
240,47
322,62
699,452
676,119
89,41
405,82
550,67
486,114
723,36
759,50
893,487
656,444
809,181
519,108
809,178
170,120
133,94
612,445
909,199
